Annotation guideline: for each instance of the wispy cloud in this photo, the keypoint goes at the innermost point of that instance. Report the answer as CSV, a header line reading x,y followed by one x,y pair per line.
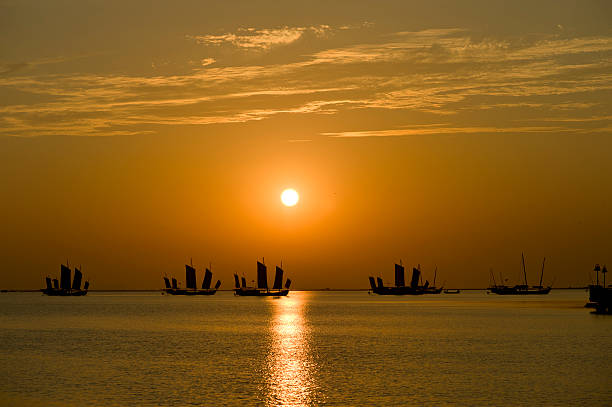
x,y
259,39
439,130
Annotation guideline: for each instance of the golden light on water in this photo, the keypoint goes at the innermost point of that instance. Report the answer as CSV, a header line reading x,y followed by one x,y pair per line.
x,y
290,197
290,378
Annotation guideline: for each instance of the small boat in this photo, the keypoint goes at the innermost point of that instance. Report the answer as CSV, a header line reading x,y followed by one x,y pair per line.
x,y
64,288
377,286
521,289
452,291
262,289
600,296
191,284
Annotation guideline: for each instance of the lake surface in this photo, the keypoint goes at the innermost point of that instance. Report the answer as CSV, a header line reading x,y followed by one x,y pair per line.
x,y
310,348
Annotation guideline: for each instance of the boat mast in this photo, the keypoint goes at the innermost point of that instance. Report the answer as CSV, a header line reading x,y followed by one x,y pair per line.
x,y
435,274
542,273
524,271
420,274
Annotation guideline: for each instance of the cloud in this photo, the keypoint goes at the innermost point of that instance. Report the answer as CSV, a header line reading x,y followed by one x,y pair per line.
x,y
259,39
208,61
435,130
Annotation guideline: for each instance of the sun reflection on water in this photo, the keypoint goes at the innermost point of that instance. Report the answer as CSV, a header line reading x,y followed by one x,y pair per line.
x,y
290,378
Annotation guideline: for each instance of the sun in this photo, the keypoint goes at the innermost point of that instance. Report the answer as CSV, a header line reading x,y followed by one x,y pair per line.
x,y
290,197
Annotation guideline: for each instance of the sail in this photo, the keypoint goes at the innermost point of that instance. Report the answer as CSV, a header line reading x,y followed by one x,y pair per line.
x,y
76,283
278,279
236,281
174,283
243,282
426,284
399,276
262,276
372,283
380,282
288,283
190,277
414,283
217,284
86,285
207,279
65,278
55,284
48,281
167,282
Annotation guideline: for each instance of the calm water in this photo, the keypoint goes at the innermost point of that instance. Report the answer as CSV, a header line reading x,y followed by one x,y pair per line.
x,y
311,348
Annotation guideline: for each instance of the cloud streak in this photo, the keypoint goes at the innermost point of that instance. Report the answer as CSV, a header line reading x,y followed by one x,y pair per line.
x,y
259,39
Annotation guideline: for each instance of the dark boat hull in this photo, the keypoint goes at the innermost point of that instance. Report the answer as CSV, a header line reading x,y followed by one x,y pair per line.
x,y
397,291
514,291
601,298
260,293
177,291
63,293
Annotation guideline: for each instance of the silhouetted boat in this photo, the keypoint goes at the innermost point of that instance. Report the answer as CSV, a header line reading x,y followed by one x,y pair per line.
x,y
431,289
64,288
262,289
377,286
600,296
521,289
191,284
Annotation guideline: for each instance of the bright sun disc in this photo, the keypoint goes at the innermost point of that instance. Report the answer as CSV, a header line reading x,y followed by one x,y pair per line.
x,y
290,197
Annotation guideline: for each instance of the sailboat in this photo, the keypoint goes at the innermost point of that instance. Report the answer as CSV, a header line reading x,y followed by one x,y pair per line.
x,y
600,296
377,286
64,287
262,289
522,289
191,283
431,289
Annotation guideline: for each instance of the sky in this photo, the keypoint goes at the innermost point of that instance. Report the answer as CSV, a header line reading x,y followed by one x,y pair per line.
x,y
138,136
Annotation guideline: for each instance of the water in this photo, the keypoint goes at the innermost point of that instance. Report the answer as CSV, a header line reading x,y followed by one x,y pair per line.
x,y
311,348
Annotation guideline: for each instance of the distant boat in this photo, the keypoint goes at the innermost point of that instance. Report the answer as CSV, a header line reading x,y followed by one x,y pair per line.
x,y
191,284
600,296
452,291
377,286
64,288
521,289
262,289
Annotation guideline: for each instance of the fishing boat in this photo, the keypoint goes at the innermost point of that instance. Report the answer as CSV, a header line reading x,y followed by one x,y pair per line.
x,y
377,285
191,283
430,289
64,287
262,289
600,296
521,289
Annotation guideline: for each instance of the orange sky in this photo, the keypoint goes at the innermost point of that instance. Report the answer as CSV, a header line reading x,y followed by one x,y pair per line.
x,y
135,137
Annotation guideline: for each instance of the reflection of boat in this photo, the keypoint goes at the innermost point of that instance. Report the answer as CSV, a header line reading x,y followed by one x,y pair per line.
x,y
521,289
190,283
377,286
600,296
262,289
63,288
452,291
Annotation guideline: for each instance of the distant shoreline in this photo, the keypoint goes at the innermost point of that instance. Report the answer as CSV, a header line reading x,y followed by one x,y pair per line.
x,y
312,289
